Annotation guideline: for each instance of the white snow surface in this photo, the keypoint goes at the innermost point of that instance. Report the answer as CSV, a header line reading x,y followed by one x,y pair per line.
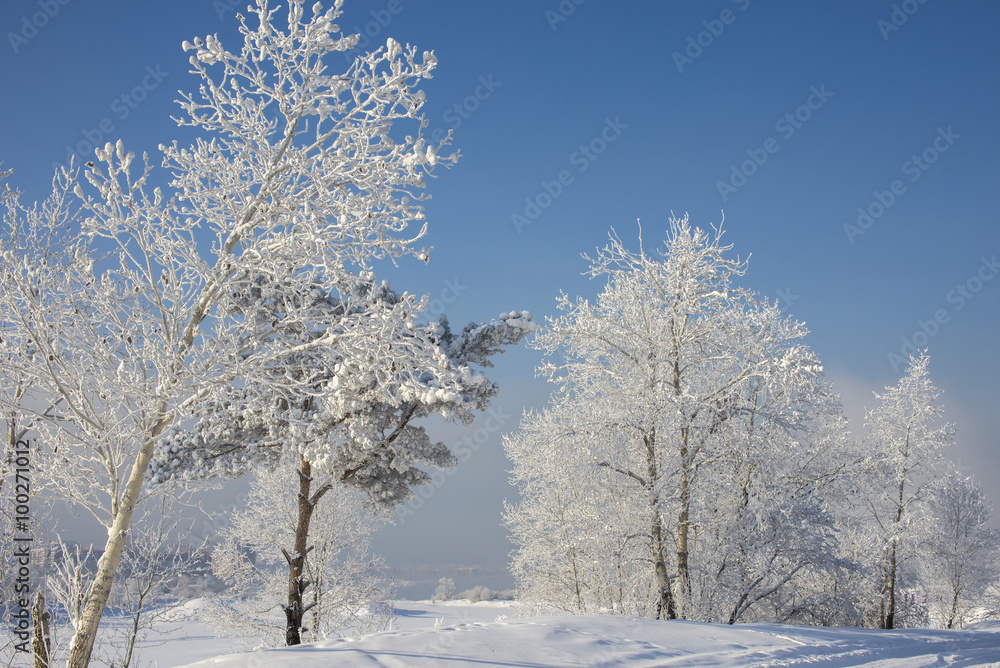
x,y
472,635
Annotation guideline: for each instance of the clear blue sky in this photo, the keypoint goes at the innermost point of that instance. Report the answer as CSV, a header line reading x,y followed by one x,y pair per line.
x,y
839,104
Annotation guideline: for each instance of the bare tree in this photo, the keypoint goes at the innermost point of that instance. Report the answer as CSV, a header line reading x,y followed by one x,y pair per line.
x,y
41,643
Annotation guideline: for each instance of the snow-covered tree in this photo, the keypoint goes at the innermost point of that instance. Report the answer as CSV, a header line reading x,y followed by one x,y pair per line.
x,y
303,176
960,555
358,424
767,504
155,558
693,410
582,537
358,414
632,343
905,437
347,594
444,590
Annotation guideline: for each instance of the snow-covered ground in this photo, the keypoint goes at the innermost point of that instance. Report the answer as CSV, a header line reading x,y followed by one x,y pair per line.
x,y
481,635
456,634
191,640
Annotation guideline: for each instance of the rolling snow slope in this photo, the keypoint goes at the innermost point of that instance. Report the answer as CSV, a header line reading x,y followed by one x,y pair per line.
x,y
633,642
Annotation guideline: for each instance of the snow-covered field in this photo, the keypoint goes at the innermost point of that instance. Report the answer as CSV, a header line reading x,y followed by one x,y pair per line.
x,y
454,634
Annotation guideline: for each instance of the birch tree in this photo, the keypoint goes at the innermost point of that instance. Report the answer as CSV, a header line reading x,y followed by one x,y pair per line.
x,y
905,436
959,556
582,537
302,176
767,505
691,398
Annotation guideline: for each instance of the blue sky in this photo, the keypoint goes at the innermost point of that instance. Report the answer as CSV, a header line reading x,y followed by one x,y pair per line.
x,y
788,116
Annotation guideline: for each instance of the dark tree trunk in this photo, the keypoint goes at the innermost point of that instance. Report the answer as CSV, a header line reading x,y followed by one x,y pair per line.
x,y
298,581
889,622
684,525
41,645
295,610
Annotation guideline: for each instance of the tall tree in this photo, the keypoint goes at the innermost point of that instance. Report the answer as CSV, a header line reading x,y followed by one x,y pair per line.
x,y
960,553
667,378
637,340
346,596
303,176
767,503
905,437
360,418
582,537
